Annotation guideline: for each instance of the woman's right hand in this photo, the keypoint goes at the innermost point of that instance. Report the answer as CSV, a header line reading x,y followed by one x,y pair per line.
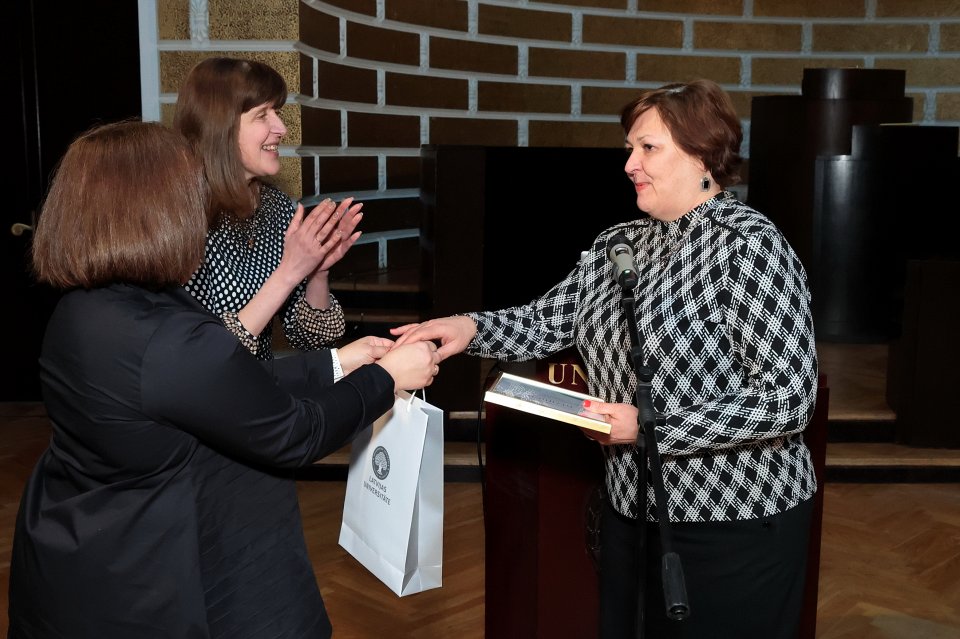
x,y
454,333
412,366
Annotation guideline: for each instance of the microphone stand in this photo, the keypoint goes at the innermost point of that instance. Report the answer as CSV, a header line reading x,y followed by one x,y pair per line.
x,y
674,588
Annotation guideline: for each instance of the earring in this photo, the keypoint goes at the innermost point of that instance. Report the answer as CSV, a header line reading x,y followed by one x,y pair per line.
x,y
704,183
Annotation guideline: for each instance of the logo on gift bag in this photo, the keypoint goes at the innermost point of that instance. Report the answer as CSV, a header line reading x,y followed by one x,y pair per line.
x,y
381,462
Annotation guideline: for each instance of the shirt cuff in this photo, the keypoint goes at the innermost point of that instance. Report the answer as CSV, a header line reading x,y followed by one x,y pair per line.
x,y
232,321
337,368
324,325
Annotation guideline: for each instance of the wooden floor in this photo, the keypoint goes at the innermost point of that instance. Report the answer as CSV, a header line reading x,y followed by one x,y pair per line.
x,y
890,564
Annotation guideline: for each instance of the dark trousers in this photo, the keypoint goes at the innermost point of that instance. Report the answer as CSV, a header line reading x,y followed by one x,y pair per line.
x,y
745,579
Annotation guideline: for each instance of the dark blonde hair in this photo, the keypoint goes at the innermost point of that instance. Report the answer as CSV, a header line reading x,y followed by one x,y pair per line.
x,y
215,93
701,118
127,204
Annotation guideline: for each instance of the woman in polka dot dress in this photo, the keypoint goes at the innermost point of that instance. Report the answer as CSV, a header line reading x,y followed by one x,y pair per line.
x,y
265,257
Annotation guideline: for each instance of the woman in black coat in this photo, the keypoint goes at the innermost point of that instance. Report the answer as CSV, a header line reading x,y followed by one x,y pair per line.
x,y
153,511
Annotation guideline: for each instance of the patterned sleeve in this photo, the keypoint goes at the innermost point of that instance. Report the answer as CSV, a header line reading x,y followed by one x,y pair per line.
x,y
770,329
308,328
532,331
250,341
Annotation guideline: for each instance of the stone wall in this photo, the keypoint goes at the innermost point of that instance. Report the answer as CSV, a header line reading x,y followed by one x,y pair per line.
x,y
372,80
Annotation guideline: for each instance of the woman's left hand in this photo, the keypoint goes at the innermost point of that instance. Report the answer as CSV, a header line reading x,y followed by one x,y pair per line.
x,y
339,233
621,417
365,350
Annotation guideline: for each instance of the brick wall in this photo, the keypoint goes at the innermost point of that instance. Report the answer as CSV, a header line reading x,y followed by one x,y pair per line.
x,y
374,79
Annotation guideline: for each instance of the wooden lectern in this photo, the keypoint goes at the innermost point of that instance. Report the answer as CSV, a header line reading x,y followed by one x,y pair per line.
x,y
542,483
815,437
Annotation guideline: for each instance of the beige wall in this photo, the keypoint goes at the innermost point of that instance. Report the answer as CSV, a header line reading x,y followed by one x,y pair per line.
x,y
375,79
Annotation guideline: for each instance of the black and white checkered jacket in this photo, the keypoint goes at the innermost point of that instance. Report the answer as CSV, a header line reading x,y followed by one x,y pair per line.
x,y
723,312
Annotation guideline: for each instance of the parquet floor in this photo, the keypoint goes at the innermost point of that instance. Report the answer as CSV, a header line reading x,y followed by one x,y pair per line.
x,y
890,567
890,559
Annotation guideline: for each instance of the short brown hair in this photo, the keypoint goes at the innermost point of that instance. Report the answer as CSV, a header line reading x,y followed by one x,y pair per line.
x,y
127,204
217,90
701,118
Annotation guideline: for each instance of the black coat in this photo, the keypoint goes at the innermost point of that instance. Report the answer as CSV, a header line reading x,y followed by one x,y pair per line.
x,y
164,506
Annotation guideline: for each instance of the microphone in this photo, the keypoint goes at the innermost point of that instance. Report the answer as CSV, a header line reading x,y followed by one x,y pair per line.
x,y
621,254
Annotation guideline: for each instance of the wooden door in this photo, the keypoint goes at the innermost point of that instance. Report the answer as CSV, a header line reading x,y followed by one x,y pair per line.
x,y
68,66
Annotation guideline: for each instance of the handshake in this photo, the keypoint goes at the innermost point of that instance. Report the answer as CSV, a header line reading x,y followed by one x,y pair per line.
x,y
413,360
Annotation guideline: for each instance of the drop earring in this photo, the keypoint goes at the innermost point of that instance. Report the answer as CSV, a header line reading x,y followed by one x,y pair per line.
x,y
704,183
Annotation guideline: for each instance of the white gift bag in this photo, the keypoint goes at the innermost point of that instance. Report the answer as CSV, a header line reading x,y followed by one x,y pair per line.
x,y
393,509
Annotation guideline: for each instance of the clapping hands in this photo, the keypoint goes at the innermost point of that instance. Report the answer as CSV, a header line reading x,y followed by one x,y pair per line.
x,y
317,241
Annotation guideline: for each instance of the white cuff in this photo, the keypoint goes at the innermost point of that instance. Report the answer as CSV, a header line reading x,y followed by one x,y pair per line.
x,y
337,368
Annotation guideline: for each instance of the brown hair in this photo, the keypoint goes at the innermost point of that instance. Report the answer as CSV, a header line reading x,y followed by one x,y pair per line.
x,y
701,118
127,204
215,93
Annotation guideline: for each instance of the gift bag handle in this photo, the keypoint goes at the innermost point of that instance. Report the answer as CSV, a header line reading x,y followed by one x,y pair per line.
x,y
423,391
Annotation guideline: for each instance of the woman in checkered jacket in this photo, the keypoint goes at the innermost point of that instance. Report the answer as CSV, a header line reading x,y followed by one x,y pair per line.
x,y
723,315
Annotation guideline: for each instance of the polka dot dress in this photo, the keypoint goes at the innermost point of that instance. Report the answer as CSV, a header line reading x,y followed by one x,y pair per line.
x,y
240,256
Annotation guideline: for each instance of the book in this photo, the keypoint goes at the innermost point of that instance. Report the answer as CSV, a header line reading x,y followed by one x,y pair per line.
x,y
544,400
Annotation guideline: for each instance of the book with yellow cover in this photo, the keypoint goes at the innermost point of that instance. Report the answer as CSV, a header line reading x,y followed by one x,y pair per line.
x,y
544,400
